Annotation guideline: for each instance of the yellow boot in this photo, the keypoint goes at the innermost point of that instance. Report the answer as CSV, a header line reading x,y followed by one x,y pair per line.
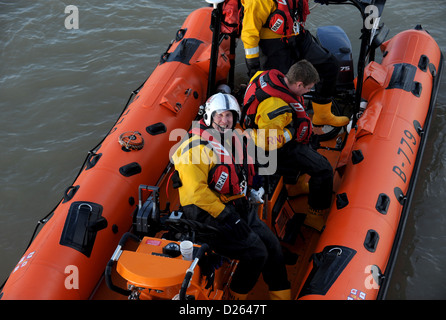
x,y
237,296
323,116
299,188
280,294
316,218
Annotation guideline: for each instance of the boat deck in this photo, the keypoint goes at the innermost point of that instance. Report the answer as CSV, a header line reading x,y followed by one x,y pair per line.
x,y
306,238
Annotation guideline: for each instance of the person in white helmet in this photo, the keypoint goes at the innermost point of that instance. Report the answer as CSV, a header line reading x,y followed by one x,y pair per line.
x,y
216,175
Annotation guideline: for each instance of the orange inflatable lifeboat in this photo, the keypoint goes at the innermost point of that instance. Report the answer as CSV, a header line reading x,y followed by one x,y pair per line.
x,y
97,209
377,171
83,251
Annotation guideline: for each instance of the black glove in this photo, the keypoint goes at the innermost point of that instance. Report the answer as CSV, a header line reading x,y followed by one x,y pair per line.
x,y
253,66
322,1
233,225
257,182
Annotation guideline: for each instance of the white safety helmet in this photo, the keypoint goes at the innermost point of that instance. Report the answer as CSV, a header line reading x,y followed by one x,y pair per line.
x,y
219,103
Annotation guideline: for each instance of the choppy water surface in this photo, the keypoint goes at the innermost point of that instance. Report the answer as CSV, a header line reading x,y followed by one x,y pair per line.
x,y
61,91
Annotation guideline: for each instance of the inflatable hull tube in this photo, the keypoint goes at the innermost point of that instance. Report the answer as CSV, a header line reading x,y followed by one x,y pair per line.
x,y
68,257
376,167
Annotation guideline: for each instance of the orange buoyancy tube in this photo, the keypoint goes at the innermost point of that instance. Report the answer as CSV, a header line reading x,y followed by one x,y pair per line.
x,y
68,257
378,161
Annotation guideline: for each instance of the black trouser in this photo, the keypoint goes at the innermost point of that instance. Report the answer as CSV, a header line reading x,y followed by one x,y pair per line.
x,y
294,158
281,54
258,253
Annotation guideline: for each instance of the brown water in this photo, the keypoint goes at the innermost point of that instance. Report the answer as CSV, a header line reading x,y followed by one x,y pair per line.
x,y
61,91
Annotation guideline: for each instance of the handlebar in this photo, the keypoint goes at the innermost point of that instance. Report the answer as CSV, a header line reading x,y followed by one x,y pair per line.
x,y
113,259
190,272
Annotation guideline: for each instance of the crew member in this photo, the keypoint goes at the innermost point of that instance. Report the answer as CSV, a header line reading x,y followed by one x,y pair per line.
x,y
277,28
274,110
216,174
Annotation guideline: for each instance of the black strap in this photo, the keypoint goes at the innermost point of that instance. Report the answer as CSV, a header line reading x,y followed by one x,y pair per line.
x,y
300,10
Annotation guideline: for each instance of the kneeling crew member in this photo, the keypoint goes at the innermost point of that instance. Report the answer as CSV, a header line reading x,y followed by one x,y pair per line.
x,y
274,109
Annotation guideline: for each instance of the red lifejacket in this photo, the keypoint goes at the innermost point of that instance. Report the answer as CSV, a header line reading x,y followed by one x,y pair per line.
x,y
288,17
232,14
269,84
235,170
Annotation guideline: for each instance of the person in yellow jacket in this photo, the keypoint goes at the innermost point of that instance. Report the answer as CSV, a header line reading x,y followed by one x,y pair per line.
x,y
216,175
276,28
275,113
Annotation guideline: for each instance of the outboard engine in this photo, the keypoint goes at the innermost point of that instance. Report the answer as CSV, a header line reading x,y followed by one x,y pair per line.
x,y
335,40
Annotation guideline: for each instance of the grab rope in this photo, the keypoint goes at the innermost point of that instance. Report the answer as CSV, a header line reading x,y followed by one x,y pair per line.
x,y
45,219
131,140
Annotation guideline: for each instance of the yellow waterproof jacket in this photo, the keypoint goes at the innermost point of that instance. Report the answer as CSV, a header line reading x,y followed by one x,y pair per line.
x,y
273,119
255,15
193,161
213,174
